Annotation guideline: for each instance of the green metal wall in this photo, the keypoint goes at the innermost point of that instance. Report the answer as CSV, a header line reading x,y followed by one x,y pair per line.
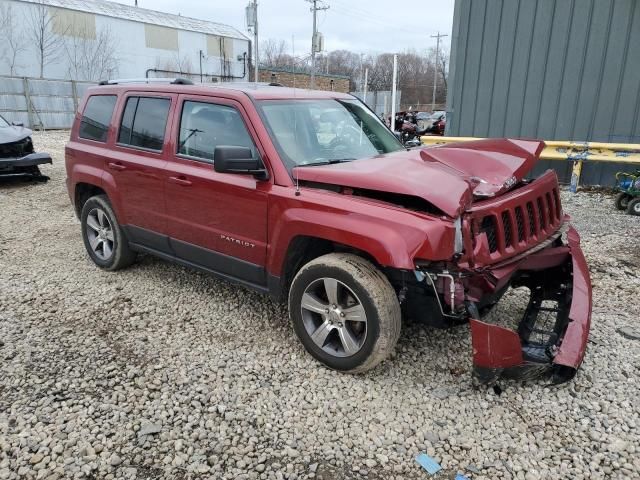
x,y
549,69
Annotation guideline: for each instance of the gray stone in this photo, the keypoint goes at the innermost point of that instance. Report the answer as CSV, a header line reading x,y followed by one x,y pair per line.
x,y
149,429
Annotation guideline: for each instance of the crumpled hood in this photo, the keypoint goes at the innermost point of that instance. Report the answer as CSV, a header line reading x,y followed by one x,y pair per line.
x,y
13,134
447,176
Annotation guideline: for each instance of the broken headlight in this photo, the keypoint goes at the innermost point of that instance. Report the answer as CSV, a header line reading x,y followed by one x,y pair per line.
x,y
458,244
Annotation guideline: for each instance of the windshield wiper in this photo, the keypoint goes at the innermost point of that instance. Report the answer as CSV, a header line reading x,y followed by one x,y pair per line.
x,y
326,162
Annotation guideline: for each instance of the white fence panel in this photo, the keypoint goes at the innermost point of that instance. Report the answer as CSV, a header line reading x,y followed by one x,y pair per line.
x,y
46,104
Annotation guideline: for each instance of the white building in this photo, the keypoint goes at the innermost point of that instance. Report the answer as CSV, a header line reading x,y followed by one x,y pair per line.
x,y
96,39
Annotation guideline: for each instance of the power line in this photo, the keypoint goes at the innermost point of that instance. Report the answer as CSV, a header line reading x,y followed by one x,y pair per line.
x,y
361,15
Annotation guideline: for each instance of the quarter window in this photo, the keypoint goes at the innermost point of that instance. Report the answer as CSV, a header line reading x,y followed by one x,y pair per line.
x,y
144,122
204,126
96,118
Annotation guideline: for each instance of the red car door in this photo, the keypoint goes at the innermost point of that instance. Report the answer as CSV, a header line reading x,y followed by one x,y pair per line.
x,y
215,220
137,164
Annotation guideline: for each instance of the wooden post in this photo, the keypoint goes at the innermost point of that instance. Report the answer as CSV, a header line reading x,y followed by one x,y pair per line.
x,y
27,98
74,93
575,175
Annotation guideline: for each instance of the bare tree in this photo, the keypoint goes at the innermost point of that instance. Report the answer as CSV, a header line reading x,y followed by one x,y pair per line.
x,y
443,65
12,39
175,64
273,53
416,70
344,62
49,46
91,58
183,63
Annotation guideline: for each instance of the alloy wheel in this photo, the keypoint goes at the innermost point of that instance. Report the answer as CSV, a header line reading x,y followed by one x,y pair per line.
x,y
334,317
100,233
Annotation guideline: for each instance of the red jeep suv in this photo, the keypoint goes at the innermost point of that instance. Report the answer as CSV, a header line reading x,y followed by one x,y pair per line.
x,y
309,197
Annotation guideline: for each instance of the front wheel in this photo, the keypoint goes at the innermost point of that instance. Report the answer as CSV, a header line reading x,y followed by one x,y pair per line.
x,y
634,206
345,312
622,200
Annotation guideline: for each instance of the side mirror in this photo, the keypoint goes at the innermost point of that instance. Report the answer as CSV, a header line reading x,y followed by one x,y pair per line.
x,y
231,159
17,124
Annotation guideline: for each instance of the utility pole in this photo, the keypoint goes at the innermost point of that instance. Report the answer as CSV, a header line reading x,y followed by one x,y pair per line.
x,y
314,39
255,38
435,70
366,75
361,65
393,92
252,25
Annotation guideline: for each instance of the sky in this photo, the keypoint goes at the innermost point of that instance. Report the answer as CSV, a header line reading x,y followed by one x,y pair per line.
x,y
372,26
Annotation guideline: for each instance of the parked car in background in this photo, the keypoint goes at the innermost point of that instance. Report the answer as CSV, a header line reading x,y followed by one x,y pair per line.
x,y
437,123
18,158
309,197
422,120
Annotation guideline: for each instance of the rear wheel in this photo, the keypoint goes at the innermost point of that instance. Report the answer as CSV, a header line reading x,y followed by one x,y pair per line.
x,y
622,200
103,238
345,312
634,206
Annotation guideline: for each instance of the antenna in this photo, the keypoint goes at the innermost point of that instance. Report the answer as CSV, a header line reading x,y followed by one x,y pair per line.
x,y
297,184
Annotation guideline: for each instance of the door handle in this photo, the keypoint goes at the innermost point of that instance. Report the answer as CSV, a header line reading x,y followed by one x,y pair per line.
x,y
116,166
182,181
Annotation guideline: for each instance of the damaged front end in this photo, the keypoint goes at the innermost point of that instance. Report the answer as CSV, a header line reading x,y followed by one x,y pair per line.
x,y
18,160
521,242
551,337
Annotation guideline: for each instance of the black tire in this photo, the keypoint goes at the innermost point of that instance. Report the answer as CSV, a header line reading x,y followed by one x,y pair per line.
x,y
372,291
622,200
634,206
121,255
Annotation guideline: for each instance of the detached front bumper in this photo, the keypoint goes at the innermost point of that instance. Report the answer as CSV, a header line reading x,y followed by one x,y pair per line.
x,y
558,278
24,167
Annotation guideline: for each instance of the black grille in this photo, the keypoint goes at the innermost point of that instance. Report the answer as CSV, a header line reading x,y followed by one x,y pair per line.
x,y
520,223
488,226
16,149
541,215
506,223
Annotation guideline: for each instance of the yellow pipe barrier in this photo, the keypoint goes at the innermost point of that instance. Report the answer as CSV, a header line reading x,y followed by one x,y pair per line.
x,y
577,152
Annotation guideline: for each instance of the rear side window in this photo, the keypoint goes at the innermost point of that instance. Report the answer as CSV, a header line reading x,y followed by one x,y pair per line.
x,y
204,126
96,117
143,122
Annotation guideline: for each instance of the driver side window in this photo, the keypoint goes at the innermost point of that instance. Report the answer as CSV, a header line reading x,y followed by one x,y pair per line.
x,y
329,125
204,126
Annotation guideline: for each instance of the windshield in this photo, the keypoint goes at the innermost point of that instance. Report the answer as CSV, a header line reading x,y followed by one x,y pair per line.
x,y
3,122
312,132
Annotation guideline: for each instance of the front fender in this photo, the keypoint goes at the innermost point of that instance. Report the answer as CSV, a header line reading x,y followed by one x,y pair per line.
x,y
392,236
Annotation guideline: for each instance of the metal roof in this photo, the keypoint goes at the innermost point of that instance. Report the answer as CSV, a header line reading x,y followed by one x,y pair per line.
x,y
137,14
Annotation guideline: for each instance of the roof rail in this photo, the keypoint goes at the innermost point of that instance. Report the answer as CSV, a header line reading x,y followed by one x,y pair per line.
x,y
175,81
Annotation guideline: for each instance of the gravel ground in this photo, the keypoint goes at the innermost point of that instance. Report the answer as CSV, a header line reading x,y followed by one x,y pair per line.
x,y
162,372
